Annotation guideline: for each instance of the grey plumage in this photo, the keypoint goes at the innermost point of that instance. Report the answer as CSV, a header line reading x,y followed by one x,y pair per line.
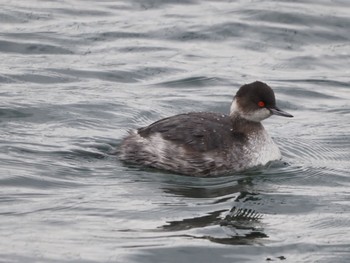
x,y
197,144
209,144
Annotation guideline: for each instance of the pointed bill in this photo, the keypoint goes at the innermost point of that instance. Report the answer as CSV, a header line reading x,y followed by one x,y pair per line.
x,y
277,111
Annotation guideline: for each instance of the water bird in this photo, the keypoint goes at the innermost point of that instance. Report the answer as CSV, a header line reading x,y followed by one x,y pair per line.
x,y
207,143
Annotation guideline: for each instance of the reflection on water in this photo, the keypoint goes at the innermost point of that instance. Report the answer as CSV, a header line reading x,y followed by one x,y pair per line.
x,y
213,189
239,223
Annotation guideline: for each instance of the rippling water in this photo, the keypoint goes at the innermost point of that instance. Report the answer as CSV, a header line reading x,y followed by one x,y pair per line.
x,y
76,75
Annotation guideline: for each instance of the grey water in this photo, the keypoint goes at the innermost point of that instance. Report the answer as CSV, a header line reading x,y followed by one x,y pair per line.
x,y
75,76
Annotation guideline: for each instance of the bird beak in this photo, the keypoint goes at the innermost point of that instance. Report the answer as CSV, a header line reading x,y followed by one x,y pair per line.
x,y
277,111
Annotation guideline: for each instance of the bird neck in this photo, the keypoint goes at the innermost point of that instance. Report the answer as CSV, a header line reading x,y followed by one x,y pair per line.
x,y
243,125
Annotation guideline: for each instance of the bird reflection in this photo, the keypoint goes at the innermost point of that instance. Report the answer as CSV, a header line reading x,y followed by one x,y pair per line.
x,y
239,224
208,189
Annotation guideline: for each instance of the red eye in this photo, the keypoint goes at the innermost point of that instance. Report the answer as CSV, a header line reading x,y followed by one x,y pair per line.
x,y
261,104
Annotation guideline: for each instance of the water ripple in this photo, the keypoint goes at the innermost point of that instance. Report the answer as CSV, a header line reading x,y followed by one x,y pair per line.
x,y
75,76
31,48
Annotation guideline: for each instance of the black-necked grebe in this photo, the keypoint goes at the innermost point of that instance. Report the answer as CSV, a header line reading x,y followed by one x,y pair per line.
x,y
209,144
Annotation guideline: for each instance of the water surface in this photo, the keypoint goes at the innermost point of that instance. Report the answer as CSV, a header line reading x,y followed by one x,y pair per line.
x,y
75,76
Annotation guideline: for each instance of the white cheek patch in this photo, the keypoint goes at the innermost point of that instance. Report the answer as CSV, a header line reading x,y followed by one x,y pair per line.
x,y
257,115
234,107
